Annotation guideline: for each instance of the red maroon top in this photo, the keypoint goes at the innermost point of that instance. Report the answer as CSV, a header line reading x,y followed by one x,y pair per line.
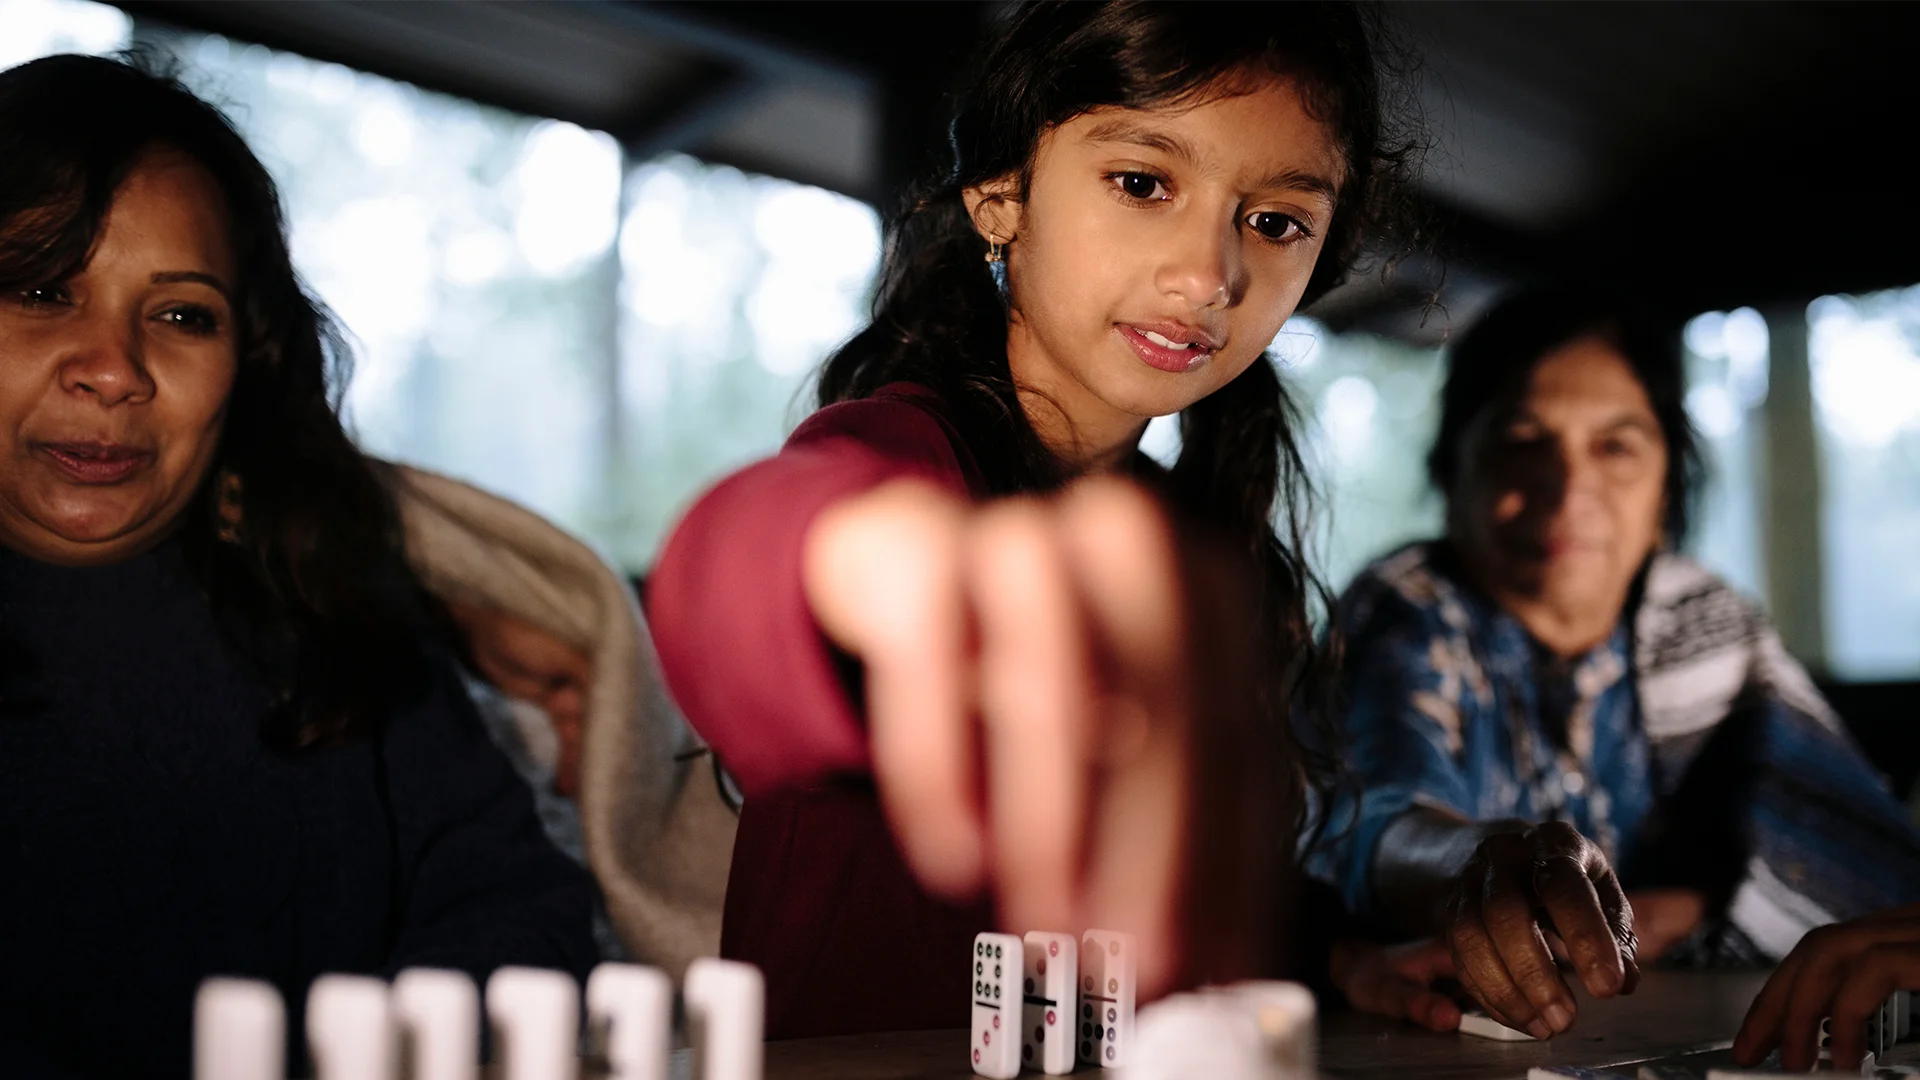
x,y
819,896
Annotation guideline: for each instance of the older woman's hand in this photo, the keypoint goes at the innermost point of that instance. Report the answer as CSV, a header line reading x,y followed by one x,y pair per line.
x,y
1516,889
532,665
1843,971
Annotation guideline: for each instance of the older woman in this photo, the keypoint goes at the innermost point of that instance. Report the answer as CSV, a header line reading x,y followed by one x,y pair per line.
x,y
1550,693
228,740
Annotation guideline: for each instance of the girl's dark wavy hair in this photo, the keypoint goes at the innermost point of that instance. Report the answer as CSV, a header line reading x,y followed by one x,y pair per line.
x,y
293,537
940,318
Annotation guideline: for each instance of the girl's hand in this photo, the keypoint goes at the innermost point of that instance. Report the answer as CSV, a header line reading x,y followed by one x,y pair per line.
x,y
1517,888
1843,971
1397,980
1031,702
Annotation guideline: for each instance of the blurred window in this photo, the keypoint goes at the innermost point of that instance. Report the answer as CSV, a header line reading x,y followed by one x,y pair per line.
x,y
595,338
1726,365
1864,359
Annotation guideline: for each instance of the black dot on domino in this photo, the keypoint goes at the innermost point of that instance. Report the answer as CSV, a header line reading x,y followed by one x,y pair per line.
x,y
1029,986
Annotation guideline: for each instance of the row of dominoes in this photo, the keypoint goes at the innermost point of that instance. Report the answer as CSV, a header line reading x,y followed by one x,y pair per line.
x,y
1054,970
426,1025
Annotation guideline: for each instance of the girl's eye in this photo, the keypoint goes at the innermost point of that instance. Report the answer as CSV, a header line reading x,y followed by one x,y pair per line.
x,y
193,318
1276,226
1142,186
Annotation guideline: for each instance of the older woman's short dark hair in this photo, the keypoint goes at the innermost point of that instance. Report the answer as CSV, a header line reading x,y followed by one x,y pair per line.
x,y
1490,365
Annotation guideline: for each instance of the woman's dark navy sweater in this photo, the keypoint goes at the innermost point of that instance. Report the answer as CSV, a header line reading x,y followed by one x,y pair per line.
x,y
149,838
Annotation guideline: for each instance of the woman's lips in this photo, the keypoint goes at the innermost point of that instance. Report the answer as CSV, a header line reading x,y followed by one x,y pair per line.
x,y
1167,357
95,463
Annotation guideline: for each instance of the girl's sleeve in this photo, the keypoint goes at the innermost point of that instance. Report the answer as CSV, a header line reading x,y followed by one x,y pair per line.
x,y
737,640
1403,706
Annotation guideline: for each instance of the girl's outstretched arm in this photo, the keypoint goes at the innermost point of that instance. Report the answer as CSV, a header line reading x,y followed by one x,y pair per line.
x,y
1033,674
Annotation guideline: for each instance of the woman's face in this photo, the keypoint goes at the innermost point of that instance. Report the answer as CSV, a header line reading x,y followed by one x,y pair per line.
x,y
1561,499
114,382
1157,252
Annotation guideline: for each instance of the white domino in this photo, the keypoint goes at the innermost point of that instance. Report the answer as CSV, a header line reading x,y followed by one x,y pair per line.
x,y
993,1044
1051,966
1106,997
439,1014
350,1030
726,1007
1287,1018
1248,1031
1476,1023
630,1012
239,1031
536,1023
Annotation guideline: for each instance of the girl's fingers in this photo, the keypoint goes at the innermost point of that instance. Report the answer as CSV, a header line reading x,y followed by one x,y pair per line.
x,y
883,577
1037,689
1811,997
1123,556
1760,1031
1864,986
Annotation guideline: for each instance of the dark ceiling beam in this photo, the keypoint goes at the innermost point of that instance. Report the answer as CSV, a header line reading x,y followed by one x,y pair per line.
x,y
695,109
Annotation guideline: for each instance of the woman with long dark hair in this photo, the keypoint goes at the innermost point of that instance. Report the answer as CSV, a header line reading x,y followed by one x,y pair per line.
x,y
229,740
955,641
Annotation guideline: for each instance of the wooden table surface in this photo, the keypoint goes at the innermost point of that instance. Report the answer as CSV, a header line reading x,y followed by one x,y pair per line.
x,y
1672,1014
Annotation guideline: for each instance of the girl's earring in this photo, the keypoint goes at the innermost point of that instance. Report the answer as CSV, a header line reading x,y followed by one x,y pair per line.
x,y
995,249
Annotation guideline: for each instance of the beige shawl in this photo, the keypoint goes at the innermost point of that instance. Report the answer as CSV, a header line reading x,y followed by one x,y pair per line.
x,y
659,837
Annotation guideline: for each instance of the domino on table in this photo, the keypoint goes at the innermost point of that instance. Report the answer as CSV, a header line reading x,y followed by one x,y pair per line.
x,y
350,1029
1106,997
997,961
1286,1015
1051,968
1474,1022
1248,1031
726,1011
536,1023
239,1031
438,1013
630,1016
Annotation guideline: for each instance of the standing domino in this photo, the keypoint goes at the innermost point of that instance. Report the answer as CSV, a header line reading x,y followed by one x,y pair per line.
x,y
630,1012
239,1031
1106,997
350,1029
536,1023
726,1005
997,964
439,1013
1051,963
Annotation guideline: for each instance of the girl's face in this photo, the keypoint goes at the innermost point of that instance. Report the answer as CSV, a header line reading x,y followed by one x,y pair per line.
x,y
1157,253
114,382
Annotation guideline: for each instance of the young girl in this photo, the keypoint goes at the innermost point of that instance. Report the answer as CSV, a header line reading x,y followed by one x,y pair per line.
x,y
965,675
